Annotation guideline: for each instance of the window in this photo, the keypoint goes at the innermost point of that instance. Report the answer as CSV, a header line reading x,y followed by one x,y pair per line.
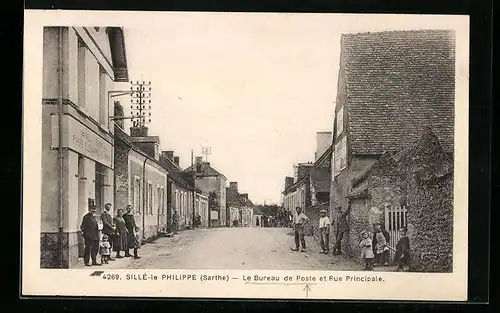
x,y
81,71
150,198
158,193
340,121
99,186
136,194
103,107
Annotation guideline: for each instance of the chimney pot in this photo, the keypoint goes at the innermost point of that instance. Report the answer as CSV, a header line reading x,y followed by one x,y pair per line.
x,y
233,185
176,160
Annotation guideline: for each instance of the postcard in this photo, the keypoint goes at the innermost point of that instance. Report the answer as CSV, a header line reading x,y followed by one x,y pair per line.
x,y
245,155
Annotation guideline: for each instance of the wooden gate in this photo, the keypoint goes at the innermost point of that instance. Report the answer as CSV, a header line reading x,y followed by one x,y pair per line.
x,y
395,218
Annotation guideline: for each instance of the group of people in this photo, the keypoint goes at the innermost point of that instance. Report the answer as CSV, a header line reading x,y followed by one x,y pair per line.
x,y
119,234
374,249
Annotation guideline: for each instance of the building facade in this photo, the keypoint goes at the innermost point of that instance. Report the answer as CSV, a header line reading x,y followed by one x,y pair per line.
x,y
239,206
141,182
391,86
80,66
210,181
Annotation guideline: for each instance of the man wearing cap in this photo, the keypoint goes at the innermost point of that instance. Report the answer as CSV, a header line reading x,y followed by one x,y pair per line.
x,y
299,220
341,228
324,230
90,232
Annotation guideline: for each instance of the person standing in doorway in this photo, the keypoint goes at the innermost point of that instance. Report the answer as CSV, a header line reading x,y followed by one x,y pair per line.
x,y
341,228
108,228
90,232
130,225
299,221
120,237
324,229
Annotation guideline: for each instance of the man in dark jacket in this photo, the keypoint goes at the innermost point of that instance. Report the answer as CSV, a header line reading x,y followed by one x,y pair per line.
x,y
90,232
130,225
341,227
107,226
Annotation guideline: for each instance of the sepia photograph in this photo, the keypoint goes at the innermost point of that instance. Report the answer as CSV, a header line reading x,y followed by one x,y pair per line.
x,y
249,142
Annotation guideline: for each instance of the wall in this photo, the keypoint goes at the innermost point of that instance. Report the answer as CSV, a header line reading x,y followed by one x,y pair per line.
x,y
148,221
430,225
208,184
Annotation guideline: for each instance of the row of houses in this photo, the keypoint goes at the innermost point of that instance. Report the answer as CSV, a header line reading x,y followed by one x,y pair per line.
x,y
389,157
88,158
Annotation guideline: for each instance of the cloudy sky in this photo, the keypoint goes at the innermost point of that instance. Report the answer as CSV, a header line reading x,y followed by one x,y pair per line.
x,y
255,88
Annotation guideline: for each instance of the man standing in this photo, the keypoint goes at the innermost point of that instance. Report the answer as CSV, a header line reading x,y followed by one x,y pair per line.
x,y
324,229
341,228
299,220
130,225
175,221
108,228
90,232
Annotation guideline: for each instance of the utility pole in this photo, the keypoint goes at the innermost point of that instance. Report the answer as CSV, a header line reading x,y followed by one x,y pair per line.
x,y
140,103
194,187
206,151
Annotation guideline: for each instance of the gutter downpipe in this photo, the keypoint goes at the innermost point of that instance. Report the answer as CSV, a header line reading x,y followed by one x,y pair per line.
x,y
144,198
60,147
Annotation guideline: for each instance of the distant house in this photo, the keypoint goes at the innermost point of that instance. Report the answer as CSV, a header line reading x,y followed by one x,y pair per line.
x,y
257,216
183,197
239,206
211,182
391,87
311,184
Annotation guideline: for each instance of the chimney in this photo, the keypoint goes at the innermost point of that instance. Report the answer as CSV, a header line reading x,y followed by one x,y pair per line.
x,y
233,185
198,160
288,181
138,131
118,113
323,141
176,160
168,154
245,196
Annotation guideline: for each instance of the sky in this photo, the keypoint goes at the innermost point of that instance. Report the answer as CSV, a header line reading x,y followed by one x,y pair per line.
x,y
255,88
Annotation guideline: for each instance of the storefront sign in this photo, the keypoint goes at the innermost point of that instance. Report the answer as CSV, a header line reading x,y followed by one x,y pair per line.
x,y
340,155
81,139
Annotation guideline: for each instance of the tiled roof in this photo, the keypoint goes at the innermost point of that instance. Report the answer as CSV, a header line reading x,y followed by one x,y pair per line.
x,y
207,170
396,83
236,199
174,172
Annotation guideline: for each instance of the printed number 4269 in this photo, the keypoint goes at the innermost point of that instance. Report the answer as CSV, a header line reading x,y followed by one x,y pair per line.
x,y
111,276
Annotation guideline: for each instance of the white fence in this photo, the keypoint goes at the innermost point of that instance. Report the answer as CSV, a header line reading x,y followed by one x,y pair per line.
x,y
395,218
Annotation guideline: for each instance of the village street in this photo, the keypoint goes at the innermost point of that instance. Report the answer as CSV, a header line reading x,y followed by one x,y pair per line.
x,y
231,248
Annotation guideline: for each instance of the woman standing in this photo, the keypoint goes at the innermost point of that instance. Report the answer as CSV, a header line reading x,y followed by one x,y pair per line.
x,y
120,243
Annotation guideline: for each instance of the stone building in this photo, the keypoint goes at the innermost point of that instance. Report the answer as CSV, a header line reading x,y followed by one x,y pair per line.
x,y
80,67
411,188
141,181
239,206
391,86
210,181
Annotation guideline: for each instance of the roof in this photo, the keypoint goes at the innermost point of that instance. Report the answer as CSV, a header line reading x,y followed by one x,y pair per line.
x,y
118,53
207,170
175,173
235,199
296,184
397,83
325,158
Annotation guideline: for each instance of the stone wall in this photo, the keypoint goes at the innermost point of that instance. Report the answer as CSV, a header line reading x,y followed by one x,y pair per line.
x,y
430,225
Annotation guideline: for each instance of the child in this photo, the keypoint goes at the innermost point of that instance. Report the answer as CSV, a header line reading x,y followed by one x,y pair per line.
x,y
402,255
105,249
137,242
366,250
